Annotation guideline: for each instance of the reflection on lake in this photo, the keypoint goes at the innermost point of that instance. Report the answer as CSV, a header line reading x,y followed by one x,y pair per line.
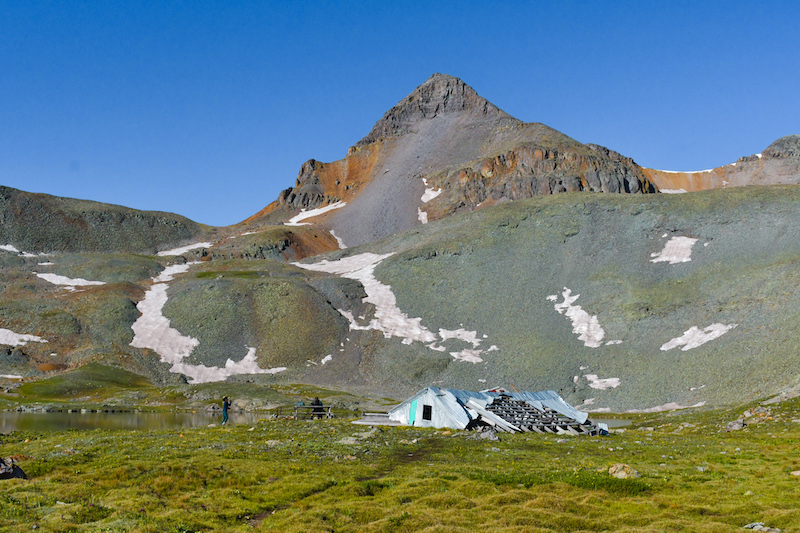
x,y
54,421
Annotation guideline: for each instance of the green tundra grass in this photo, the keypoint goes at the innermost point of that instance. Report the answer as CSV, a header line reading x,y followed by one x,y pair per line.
x,y
330,475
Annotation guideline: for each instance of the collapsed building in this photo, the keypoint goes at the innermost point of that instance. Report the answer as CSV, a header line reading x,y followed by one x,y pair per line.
x,y
512,412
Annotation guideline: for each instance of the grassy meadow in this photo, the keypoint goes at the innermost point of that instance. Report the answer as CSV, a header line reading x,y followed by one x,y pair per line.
x,y
330,475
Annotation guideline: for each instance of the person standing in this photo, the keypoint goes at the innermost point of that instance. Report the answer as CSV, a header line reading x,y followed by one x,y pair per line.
x,y
225,404
316,411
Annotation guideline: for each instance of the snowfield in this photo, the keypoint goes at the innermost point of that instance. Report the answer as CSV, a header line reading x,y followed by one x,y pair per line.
x,y
390,319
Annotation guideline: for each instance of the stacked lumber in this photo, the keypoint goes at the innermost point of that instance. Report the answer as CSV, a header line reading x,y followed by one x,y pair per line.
x,y
522,416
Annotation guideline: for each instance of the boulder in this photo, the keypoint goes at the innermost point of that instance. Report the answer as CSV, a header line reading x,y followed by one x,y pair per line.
x,y
9,470
622,471
736,425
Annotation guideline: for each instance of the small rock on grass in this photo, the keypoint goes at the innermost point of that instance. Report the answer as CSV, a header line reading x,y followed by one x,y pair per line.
x,y
759,526
622,471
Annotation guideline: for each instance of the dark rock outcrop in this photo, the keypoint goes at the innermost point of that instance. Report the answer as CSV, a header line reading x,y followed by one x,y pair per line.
x,y
9,470
308,191
440,94
784,148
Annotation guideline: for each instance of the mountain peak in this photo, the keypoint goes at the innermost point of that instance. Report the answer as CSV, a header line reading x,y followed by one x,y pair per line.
x,y
441,94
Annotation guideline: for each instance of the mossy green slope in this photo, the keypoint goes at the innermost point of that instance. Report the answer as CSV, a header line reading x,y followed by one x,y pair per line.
x,y
498,272
278,313
89,379
492,271
43,223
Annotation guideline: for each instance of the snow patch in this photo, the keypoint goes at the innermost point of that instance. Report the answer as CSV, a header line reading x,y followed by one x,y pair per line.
x,y
611,343
9,338
184,249
390,319
55,279
13,249
601,383
339,240
686,171
170,271
422,215
677,250
430,194
694,336
586,326
470,356
672,191
152,330
460,334
46,263
296,220
672,406
327,359
10,376
208,374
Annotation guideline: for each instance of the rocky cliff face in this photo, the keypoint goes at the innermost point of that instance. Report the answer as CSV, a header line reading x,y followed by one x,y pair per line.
x,y
535,170
444,135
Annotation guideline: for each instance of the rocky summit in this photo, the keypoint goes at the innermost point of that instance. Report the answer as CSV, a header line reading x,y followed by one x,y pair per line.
x,y
442,150
453,245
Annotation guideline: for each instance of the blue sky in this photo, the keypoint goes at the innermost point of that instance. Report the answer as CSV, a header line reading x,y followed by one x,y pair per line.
x,y
208,109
